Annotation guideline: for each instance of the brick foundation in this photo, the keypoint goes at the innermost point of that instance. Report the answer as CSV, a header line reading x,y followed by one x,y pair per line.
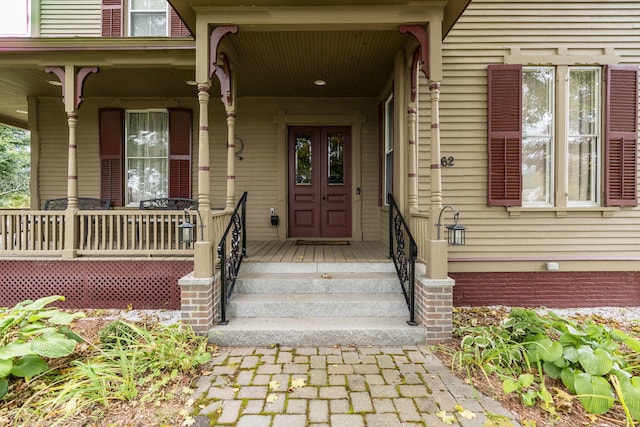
x,y
198,298
85,284
434,308
549,289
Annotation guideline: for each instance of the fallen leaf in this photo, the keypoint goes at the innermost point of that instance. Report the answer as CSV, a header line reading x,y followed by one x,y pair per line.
x,y
446,418
272,398
326,276
274,385
298,382
467,414
464,413
189,421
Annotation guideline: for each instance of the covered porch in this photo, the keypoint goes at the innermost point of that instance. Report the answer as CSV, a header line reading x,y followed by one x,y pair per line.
x,y
277,69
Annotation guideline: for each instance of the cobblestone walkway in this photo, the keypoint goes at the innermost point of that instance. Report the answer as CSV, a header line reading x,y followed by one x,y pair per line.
x,y
338,387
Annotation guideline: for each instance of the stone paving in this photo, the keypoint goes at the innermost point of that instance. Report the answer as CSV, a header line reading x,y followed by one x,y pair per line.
x,y
338,387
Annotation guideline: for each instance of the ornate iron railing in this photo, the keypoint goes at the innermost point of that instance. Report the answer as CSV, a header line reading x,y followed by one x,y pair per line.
x,y
235,236
404,251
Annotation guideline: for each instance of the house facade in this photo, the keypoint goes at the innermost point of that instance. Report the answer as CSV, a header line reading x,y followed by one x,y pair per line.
x,y
521,118
539,109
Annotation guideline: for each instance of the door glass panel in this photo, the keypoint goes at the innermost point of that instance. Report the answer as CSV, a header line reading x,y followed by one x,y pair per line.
x,y
303,160
335,158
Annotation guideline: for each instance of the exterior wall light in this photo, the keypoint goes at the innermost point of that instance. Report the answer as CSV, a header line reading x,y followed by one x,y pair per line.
x,y
455,232
187,233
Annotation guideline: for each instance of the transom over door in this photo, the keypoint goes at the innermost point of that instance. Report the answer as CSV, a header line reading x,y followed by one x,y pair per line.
x,y
319,182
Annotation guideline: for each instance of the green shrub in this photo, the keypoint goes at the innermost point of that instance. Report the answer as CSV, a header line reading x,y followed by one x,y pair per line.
x,y
31,333
117,333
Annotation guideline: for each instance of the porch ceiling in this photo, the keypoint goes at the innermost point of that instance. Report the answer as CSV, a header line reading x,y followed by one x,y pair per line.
x,y
264,63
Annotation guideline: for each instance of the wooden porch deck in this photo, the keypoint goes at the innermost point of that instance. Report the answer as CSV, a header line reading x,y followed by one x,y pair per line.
x,y
288,251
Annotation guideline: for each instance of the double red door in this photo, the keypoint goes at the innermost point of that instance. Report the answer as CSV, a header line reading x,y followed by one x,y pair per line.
x,y
319,181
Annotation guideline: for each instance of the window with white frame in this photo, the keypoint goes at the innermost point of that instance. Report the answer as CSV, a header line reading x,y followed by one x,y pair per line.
x,y
147,155
14,17
570,108
537,135
148,18
388,147
562,136
583,135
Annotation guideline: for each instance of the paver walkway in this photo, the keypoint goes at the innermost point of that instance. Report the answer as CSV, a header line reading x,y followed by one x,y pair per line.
x,y
338,387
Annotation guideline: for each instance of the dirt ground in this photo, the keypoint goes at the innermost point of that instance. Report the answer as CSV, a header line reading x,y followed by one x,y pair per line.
x,y
169,407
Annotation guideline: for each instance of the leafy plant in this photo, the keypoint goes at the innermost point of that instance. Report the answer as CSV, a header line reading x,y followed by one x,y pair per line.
x,y
596,363
116,333
136,359
30,333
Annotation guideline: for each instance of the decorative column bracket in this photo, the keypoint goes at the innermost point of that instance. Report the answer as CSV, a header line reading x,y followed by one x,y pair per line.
x,y
222,71
79,81
423,40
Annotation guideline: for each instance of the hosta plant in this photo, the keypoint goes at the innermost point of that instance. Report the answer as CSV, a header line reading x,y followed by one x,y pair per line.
x,y
30,334
596,363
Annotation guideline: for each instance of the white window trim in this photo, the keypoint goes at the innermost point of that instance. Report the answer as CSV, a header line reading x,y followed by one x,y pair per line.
x,y
552,185
14,14
388,136
599,138
127,202
559,167
130,12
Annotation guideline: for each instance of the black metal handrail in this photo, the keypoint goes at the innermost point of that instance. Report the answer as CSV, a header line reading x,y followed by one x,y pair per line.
x,y
404,258
230,261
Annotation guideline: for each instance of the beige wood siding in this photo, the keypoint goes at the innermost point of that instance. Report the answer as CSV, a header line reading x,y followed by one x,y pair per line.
x,y
53,146
257,172
70,18
496,32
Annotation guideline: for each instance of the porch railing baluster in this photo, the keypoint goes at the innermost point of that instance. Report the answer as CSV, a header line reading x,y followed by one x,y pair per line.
x,y
230,263
404,258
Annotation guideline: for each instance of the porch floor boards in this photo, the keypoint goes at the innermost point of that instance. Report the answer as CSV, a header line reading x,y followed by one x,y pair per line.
x,y
288,251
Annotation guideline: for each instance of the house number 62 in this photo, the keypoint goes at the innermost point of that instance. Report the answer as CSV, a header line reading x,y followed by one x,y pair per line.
x,y
446,161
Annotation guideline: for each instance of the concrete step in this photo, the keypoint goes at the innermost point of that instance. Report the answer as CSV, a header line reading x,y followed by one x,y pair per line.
x,y
318,331
316,267
325,283
317,305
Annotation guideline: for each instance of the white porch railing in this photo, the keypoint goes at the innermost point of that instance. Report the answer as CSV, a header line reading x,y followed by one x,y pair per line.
x,y
100,232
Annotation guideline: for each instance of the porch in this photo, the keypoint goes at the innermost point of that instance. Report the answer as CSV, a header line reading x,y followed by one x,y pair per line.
x,y
119,232
337,251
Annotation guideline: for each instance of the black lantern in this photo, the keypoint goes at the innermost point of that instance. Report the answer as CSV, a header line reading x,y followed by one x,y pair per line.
x,y
186,230
455,232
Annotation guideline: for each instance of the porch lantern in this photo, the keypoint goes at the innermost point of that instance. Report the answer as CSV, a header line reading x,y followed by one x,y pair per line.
x,y
455,232
186,230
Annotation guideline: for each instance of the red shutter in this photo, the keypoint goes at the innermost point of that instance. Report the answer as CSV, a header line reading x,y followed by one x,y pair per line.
x,y
177,27
111,146
504,145
621,135
112,18
180,124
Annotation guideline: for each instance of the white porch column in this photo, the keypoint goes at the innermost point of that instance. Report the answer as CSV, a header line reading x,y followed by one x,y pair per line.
x,y
231,158
437,248
203,249
72,85
72,165
412,173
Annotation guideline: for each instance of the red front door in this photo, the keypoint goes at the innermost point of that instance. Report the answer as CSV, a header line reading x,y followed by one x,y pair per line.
x,y
319,182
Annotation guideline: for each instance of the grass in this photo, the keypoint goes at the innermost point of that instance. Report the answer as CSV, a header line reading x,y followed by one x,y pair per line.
x,y
130,364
